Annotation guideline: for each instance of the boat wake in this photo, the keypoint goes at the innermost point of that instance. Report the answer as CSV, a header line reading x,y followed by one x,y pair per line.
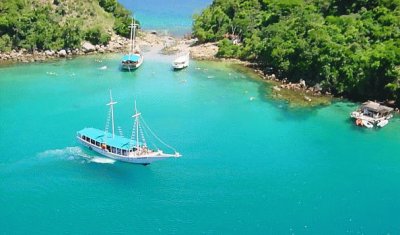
x,y
102,160
74,154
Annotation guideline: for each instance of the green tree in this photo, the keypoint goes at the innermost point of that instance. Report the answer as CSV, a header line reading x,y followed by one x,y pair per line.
x,y
351,48
97,36
5,43
72,34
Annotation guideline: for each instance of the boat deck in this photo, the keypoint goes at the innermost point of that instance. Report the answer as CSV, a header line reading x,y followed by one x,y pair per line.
x,y
102,137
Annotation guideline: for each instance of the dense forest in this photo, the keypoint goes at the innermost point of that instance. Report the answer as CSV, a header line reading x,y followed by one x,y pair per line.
x,y
350,48
57,24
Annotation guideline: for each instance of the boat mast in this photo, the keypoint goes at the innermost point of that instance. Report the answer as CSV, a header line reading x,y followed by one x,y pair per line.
x,y
136,116
133,34
111,104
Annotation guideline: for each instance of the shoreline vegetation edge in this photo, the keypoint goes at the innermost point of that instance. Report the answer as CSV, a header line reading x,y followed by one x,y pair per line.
x,y
295,94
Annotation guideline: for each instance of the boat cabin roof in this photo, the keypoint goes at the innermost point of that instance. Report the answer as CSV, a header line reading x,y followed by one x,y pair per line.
x,y
376,107
106,138
181,59
131,57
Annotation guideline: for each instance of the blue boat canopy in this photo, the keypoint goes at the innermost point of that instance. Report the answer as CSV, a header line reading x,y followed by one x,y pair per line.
x,y
106,138
131,57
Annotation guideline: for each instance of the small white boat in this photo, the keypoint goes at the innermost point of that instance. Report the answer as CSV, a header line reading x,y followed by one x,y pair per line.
x,y
117,147
367,124
181,62
382,123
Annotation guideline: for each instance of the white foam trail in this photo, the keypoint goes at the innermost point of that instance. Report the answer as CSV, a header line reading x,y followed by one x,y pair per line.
x,y
67,152
103,67
102,160
74,153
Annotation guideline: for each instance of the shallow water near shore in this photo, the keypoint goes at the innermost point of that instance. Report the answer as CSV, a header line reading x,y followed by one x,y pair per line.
x,y
250,164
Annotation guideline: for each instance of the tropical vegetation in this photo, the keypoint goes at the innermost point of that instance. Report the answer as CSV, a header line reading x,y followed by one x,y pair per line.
x,y
350,48
57,24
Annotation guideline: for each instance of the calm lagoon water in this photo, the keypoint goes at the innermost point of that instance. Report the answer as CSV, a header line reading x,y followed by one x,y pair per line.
x,y
249,164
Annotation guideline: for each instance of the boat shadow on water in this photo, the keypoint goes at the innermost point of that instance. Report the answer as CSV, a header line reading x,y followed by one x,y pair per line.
x,y
118,172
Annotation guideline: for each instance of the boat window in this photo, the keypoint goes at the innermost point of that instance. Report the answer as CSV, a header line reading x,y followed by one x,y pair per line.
x,y
119,151
97,143
124,152
108,148
92,141
113,149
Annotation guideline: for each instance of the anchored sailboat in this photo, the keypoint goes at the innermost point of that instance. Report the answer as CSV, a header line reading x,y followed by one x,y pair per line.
x,y
133,150
135,57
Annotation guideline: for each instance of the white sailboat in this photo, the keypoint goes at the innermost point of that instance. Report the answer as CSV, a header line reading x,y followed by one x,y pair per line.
x,y
133,150
181,62
135,58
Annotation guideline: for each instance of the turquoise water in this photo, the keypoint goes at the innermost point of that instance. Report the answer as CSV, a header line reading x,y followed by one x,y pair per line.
x,y
172,16
249,165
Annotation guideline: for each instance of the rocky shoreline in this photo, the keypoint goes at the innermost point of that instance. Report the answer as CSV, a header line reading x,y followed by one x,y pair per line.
x,y
208,51
117,44
168,45
146,41
151,42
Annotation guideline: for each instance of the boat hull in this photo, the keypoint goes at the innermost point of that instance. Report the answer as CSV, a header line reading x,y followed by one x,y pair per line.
x,y
132,66
179,67
368,121
382,123
180,64
144,160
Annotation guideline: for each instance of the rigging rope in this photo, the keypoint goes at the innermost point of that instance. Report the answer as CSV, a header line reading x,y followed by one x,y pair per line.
x,y
133,135
120,131
108,121
155,136
142,135
151,142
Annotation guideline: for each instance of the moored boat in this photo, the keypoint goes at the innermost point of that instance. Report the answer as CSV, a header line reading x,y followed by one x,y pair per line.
x,y
181,62
367,124
134,58
371,113
132,150
382,123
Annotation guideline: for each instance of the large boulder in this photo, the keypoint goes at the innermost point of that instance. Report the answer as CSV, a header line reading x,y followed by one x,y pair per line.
x,y
204,51
49,52
62,53
88,47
